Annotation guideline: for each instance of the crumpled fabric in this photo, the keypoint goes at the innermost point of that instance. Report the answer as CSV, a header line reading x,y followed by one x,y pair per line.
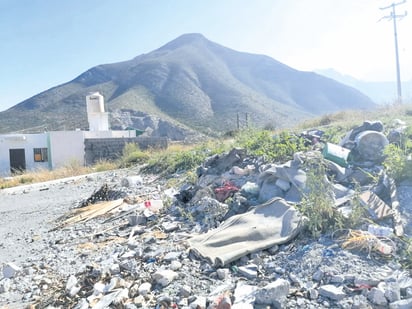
x,y
274,222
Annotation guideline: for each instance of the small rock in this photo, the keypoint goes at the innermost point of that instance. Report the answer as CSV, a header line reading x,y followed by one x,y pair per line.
x,y
332,292
295,279
362,281
199,303
249,271
318,275
185,291
5,285
82,304
175,265
170,226
144,288
10,270
172,256
313,294
223,273
273,293
337,279
392,290
377,296
164,276
401,304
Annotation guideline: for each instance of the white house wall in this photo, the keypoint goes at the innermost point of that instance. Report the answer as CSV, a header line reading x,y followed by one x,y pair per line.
x,y
64,147
22,141
67,147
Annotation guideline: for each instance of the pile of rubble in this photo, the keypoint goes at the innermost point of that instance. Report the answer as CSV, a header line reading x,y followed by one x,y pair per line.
x,y
234,239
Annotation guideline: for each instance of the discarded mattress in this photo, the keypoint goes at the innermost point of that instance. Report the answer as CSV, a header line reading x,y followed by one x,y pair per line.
x,y
271,223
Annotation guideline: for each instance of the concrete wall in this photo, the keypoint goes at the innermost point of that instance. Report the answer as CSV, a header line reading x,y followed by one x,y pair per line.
x,y
66,147
22,141
109,134
112,148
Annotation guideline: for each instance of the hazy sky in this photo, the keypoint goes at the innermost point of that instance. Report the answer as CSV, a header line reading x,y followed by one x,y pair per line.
x,y
45,43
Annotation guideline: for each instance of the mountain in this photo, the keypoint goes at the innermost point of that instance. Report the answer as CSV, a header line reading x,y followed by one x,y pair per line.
x,y
379,92
192,83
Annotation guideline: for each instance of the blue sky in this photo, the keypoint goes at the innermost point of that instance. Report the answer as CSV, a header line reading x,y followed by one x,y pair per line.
x,y
45,43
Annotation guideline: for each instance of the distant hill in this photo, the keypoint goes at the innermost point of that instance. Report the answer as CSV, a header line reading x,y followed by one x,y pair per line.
x,y
379,92
190,83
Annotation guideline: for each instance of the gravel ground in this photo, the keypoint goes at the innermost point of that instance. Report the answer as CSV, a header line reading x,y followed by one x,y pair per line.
x,y
314,273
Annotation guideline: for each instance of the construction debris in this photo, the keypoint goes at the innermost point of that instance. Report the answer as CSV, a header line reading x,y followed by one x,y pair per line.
x,y
232,239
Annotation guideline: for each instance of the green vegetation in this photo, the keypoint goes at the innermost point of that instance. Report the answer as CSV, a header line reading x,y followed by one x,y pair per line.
x,y
277,148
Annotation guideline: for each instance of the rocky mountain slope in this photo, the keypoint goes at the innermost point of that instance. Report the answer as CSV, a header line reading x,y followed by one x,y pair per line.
x,y
189,82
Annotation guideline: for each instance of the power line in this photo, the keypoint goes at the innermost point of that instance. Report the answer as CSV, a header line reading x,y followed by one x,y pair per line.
x,y
393,17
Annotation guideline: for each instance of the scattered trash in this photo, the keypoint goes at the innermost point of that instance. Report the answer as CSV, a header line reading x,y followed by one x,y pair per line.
x,y
229,239
336,153
363,240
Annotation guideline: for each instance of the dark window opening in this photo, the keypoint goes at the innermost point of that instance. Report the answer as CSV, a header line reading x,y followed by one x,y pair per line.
x,y
40,155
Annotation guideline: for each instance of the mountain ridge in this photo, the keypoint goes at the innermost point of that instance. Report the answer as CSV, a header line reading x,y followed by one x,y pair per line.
x,y
193,83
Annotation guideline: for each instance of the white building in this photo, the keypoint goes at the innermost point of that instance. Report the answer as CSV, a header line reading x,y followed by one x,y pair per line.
x,y
50,150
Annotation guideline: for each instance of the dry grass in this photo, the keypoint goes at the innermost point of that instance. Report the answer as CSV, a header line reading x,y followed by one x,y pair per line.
x,y
41,175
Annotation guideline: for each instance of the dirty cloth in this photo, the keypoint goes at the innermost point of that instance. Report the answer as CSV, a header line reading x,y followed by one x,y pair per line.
x,y
274,222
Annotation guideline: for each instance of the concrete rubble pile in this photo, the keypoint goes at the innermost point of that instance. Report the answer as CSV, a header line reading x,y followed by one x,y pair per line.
x,y
234,239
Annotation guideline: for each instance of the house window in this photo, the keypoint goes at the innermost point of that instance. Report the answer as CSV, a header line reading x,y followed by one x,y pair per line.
x,y
40,155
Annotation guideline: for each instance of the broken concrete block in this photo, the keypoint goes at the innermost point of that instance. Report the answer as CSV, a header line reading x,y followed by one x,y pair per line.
x,y
10,270
392,290
164,276
377,208
132,181
249,271
332,292
377,296
273,293
244,295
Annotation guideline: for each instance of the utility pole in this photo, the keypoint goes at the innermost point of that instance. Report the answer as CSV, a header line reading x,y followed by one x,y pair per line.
x,y
393,16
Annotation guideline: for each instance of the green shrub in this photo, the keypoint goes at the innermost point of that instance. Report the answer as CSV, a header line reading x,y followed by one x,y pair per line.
x,y
396,164
317,204
278,148
132,155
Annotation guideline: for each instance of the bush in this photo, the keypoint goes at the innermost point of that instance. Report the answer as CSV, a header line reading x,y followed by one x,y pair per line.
x,y
317,204
397,164
279,148
132,155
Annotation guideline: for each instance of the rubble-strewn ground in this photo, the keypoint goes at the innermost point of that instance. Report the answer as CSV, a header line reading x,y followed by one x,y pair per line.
x,y
107,263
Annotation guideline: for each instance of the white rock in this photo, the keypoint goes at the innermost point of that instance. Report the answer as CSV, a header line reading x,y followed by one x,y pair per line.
x,y
144,288
175,265
332,292
71,282
185,291
223,273
200,302
10,270
5,285
244,294
377,297
273,293
98,288
164,276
